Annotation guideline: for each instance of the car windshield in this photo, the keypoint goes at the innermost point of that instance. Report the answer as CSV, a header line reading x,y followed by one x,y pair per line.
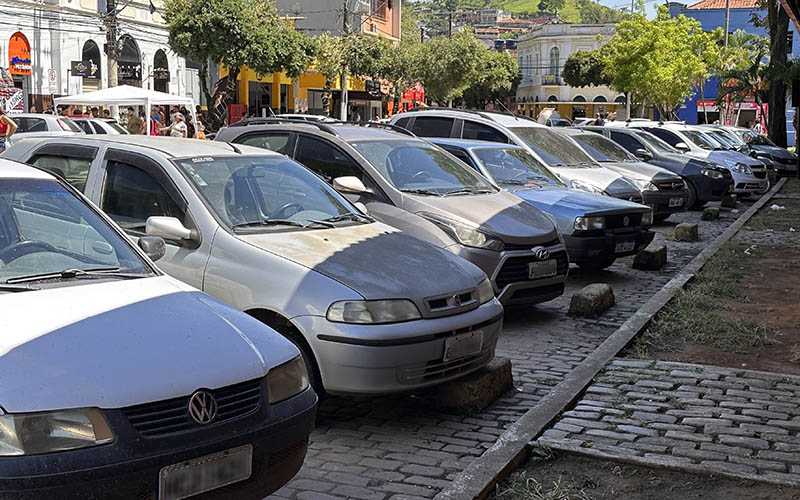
x,y
722,139
602,149
418,167
46,230
759,139
71,125
116,126
654,142
701,140
515,167
552,147
267,193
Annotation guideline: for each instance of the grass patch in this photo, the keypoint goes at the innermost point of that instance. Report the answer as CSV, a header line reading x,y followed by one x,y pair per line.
x,y
520,486
792,185
702,313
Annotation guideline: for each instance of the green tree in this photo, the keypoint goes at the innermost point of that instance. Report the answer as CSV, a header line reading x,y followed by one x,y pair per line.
x,y
750,81
409,30
234,33
498,76
654,59
450,65
707,47
552,5
593,13
584,69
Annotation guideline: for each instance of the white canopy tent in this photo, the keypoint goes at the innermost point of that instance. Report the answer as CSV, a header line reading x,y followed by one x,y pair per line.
x,y
126,95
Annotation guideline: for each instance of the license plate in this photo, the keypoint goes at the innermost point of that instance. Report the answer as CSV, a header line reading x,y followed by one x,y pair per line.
x,y
625,246
675,202
542,269
463,345
205,473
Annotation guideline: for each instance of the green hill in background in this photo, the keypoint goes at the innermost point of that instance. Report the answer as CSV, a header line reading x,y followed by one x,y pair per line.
x,y
570,13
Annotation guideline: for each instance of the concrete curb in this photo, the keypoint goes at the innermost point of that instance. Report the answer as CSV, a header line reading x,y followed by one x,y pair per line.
x,y
511,448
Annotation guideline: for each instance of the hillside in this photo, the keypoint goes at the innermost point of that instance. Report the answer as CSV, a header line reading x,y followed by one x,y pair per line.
x,y
569,13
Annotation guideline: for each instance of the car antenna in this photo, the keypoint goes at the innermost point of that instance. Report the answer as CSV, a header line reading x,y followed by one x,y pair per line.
x,y
498,101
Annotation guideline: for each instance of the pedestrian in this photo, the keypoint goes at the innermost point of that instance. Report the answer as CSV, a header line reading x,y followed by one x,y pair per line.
x,y
95,112
178,127
155,123
599,121
106,113
33,109
7,129
357,117
134,125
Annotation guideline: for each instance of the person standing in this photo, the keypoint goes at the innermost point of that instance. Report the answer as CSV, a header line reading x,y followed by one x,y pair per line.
x,y
178,127
7,129
134,125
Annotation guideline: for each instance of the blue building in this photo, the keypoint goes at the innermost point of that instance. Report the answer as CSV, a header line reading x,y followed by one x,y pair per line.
x,y
711,15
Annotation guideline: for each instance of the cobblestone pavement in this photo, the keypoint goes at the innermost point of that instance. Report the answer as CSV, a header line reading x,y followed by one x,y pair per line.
x,y
734,422
403,447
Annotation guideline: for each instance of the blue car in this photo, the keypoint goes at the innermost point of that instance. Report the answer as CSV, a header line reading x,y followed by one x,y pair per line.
x,y
597,229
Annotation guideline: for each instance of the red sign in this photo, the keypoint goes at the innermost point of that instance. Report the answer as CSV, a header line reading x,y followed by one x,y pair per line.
x,y
19,55
236,112
11,99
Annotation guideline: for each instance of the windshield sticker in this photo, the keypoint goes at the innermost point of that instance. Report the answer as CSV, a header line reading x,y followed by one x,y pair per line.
x,y
202,159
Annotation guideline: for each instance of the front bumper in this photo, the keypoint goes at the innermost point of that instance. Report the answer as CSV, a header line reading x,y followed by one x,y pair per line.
x,y
129,467
747,183
785,166
591,247
709,189
380,359
666,202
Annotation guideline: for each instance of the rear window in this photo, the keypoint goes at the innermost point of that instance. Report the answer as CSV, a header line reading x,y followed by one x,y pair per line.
x,y
552,147
30,124
430,126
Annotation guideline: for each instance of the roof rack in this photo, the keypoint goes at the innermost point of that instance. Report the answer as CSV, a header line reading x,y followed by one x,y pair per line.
x,y
395,128
279,121
479,112
443,108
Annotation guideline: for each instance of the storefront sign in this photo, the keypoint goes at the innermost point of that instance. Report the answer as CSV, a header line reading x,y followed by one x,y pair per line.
x,y
711,106
130,71
80,68
11,99
19,55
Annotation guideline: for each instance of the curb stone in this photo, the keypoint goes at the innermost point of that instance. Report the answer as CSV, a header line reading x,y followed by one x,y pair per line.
x,y
512,448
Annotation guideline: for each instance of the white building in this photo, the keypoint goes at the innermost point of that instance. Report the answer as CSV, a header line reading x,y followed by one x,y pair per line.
x,y
541,54
56,47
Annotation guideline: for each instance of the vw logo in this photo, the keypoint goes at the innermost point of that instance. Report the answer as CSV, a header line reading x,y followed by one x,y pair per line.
x,y
541,253
203,407
626,221
677,185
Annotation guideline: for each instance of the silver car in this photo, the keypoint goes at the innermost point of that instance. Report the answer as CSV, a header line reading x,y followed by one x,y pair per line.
x,y
103,126
372,309
41,124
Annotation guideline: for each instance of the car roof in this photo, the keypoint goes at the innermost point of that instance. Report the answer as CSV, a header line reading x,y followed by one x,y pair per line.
x,y
15,170
499,117
571,130
92,118
34,115
174,147
346,132
472,143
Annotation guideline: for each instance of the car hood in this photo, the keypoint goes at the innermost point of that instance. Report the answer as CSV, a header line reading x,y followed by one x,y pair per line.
x,y
375,260
576,203
775,151
734,156
120,343
501,213
641,170
599,177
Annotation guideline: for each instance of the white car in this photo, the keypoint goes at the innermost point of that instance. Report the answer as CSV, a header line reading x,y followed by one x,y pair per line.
x,y
105,126
41,124
121,382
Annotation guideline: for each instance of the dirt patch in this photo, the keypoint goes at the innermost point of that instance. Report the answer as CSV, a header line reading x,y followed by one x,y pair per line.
x,y
575,477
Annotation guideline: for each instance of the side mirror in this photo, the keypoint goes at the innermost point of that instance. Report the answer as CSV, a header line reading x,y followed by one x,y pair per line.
x,y
361,207
169,228
153,246
643,154
349,184
681,146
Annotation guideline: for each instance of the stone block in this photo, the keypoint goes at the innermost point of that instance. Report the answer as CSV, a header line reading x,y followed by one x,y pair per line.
x,y
729,200
710,213
686,232
651,258
592,300
478,390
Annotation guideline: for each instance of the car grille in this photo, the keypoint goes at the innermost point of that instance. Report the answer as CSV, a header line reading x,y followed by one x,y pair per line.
x,y
438,369
762,174
515,269
452,303
172,415
786,161
670,186
512,247
618,221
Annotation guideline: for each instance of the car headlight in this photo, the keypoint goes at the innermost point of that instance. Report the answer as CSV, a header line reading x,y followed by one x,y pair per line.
x,y
583,186
464,234
47,432
647,218
644,185
713,173
485,291
741,168
589,223
287,380
371,312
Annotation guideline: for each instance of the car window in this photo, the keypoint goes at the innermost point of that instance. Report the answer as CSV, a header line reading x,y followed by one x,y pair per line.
x,y
131,195
45,229
552,147
278,142
116,127
403,122
431,126
600,148
325,159
665,135
512,166
73,170
460,154
31,124
98,129
701,140
627,141
654,142
85,127
481,132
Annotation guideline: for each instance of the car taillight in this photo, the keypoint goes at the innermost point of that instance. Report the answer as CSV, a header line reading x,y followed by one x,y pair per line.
x,y
63,125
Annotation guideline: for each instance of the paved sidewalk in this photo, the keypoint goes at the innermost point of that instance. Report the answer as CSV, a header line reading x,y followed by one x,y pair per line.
x,y
732,422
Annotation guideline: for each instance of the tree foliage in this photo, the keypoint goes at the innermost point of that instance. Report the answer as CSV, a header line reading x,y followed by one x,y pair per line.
x,y
497,78
593,13
654,59
585,69
450,65
552,5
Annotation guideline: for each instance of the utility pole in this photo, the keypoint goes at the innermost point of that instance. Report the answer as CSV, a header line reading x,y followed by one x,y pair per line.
x,y
450,25
112,44
345,33
727,19
421,34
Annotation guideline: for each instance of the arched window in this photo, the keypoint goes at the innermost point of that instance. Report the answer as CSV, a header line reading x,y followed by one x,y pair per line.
x,y
129,62
620,99
160,71
552,98
600,98
555,55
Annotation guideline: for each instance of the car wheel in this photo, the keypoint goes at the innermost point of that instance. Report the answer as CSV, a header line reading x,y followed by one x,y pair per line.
x,y
693,203
660,217
313,371
597,264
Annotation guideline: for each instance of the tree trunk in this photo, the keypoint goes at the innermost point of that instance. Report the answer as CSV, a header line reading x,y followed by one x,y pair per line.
x,y
218,104
778,30
326,99
703,99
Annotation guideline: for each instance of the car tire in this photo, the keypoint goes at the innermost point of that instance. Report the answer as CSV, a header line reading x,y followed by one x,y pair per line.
x,y
692,202
314,376
598,264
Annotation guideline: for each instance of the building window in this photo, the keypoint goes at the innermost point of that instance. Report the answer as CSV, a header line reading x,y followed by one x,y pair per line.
x,y
536,63
555,55
379,8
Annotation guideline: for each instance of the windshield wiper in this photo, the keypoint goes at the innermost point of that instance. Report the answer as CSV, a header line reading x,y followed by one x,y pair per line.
x,y
12,288
111,272
268,222
425,192
350,216
467,191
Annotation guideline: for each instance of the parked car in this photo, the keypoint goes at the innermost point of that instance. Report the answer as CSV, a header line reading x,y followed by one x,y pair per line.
x,y
373,310
706,181
121,382
784,161
749,174
597,229
558,122
561,155
414,186
583,122
732,143
664,192
41,124
100,126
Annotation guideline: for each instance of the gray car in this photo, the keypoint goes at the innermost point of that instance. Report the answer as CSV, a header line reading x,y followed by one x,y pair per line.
x,y
41,124
662,191
373,310
415,186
